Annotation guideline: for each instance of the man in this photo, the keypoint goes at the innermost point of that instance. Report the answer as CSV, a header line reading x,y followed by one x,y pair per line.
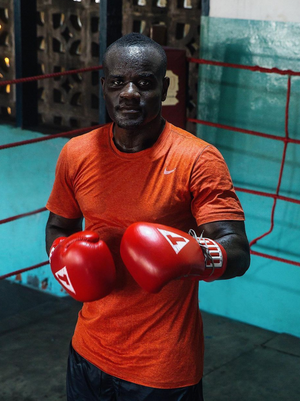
x,y
141,184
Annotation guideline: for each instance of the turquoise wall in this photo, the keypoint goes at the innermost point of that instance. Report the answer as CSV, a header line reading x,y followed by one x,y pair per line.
x,y
26,177
269,294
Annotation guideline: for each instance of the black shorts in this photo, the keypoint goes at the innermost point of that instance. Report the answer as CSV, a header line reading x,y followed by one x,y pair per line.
x,y
85,382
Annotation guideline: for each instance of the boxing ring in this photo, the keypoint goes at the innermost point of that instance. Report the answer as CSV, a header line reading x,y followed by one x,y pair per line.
x,y
287,141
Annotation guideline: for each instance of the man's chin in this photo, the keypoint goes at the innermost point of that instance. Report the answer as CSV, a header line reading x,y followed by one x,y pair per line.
x,y
131,124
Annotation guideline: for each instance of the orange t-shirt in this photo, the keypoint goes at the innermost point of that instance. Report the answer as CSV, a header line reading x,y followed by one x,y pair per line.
x,y
154,340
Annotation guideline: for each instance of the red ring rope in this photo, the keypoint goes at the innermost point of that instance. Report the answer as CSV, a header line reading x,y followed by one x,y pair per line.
x,y
254,241
244,67
26,269
19,216
46,76
47,137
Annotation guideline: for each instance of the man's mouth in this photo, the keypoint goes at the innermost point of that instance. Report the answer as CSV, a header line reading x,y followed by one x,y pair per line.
x,y
129,109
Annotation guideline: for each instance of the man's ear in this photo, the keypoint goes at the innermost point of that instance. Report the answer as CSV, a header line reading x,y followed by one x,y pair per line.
x,y
166,83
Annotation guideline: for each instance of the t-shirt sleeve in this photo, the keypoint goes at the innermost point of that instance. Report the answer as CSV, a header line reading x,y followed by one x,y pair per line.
x,y
62,200
214,197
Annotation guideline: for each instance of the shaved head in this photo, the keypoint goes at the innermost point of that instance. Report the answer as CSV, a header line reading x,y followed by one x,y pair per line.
x,y
136,42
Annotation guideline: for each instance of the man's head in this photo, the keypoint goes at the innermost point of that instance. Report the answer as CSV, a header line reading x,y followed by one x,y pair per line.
x,y
137,40
134,83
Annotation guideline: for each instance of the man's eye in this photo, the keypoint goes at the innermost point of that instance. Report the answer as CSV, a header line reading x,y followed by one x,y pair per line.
x,y
116,82
144,84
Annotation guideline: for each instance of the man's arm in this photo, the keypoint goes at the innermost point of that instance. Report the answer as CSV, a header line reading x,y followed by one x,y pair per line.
x,y
232,236
155,254
58,226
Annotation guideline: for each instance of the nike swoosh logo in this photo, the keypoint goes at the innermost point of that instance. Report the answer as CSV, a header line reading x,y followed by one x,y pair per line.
x,y
169,171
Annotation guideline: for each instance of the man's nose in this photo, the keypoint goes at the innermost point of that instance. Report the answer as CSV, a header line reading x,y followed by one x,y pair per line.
x,y
130,91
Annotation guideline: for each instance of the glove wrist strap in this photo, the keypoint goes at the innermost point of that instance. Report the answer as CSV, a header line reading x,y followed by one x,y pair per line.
x,y
215,257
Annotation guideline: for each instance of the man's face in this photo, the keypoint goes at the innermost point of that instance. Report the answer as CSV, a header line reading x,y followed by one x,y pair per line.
x,y
133,86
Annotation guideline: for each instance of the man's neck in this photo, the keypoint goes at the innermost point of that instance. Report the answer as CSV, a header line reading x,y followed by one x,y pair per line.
x,y
137,139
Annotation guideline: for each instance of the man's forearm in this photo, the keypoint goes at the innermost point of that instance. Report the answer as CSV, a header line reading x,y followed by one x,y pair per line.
x,y
52,234
58,226
238,255
232,236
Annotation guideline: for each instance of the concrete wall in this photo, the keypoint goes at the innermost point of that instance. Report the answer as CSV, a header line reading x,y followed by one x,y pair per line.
x,y
265,10
269,294
26,177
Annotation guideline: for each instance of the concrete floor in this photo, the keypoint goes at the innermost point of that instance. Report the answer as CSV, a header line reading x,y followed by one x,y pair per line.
x,y
242,362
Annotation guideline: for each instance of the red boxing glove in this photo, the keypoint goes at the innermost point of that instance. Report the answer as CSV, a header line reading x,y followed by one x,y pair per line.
x,y
155,254
54,245
83,265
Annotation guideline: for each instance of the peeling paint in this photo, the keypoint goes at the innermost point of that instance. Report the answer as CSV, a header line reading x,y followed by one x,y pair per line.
x,y
33,281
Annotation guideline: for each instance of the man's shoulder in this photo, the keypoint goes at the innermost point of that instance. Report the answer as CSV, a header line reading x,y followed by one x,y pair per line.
x,y
88,140
186,139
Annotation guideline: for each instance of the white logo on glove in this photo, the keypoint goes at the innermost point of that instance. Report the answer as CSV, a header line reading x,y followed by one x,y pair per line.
x,y
176,241
63,277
